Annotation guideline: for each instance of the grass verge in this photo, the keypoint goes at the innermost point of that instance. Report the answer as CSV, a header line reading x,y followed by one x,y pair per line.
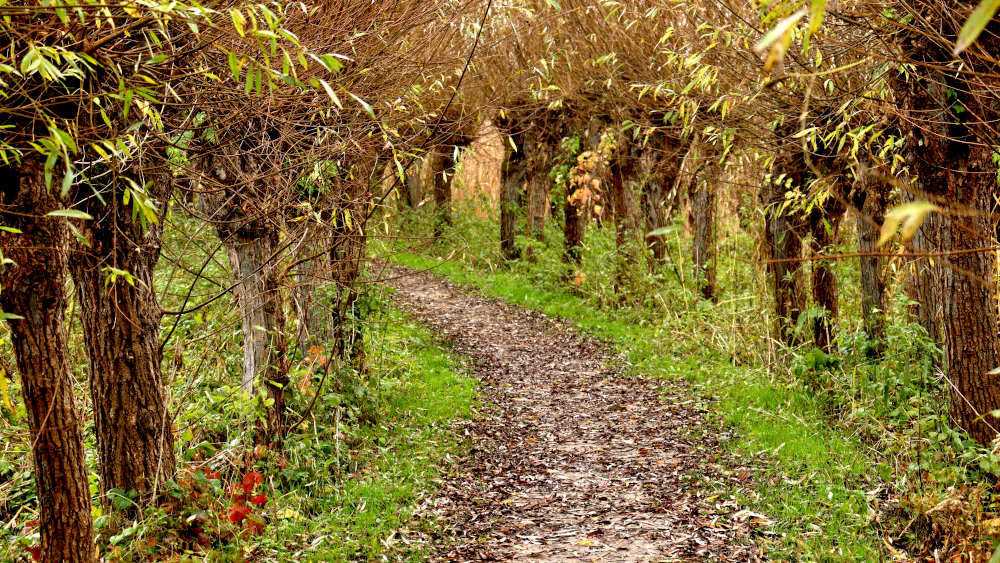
x,y
813,485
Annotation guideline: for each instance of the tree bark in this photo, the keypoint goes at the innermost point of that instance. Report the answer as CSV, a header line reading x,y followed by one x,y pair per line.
x,y
120,318
310,274
951,155
824,222
703,209
347,253
783,245
34,286
262,316
622,172
512,179
442,165
661,166
870,203
538,184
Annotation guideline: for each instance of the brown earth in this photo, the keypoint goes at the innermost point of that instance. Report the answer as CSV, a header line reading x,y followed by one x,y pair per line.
x,y
571,459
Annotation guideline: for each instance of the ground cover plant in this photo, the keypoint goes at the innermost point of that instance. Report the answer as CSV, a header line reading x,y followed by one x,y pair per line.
x,y
782,213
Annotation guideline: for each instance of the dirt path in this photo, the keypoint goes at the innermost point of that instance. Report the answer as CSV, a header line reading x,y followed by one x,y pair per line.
x,y
571,460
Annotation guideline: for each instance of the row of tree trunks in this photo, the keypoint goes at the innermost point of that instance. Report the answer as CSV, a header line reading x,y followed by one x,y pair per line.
x,y
120,317
34,287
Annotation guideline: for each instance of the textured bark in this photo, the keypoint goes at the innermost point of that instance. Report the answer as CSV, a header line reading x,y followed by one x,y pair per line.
x,y
414,189
783,245
347,253
824,221
703,209
921,287
512,178
34,287
121,327
573,232
441,163
538,183
312,327
870,202
622,173
951,155
660,167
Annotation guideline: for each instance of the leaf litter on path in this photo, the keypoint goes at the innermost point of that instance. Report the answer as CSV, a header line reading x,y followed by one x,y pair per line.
x,y
571,459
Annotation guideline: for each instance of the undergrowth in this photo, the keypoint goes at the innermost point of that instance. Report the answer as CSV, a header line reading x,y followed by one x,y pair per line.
x,y
852,457
346,482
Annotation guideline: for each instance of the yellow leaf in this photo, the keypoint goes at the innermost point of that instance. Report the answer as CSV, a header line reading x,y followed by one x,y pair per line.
x,y
4,386
910,216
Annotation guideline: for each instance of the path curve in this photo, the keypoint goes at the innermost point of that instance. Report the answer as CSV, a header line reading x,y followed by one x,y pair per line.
x,y
571,460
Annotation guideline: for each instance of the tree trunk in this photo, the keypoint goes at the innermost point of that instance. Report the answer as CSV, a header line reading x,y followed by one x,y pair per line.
x,y
442,164
661,166
622,172
347,253
34,287
784,247
703,207
512,179
262,316
870,203
538,193
824,222
310,274
952,160
414,189
120,317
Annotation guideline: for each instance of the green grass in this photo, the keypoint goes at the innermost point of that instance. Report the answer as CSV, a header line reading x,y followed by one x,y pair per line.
x,y
811,479
425,390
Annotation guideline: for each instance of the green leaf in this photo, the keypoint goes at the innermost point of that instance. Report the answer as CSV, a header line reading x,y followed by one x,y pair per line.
x,y
817,8
69,213
364,104
975,25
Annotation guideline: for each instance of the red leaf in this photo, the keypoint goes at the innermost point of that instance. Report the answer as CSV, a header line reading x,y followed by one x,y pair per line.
x,y
238,514
255,526
251,480
238,493
259,500
36,552
31,523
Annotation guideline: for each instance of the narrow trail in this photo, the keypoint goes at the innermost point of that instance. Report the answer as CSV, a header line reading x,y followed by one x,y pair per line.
x,y
571,460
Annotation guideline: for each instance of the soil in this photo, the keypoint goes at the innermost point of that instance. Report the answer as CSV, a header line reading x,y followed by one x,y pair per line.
x,y
571,457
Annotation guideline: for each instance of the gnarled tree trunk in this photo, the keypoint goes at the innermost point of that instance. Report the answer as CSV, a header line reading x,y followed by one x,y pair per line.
x,y
34,286
120,317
